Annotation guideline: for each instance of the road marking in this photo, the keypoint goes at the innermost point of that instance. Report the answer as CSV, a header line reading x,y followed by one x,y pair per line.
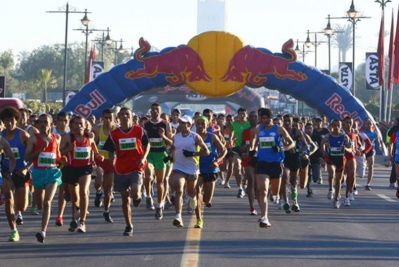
x,y
387,198
191,248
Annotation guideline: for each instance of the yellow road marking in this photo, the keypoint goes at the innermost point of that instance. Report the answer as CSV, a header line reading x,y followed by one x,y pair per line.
x,y
191,248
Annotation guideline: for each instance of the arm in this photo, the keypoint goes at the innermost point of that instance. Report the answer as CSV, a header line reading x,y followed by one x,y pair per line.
x,y
30,153
222,151
166,135
204,151
313,148
288,142
303,140
7,150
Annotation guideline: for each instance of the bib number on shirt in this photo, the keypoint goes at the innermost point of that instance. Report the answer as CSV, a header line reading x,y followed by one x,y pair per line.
x,y
46,159
127,143
266,142
157,142
82,153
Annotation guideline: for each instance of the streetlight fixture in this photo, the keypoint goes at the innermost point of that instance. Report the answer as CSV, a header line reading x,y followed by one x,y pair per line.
x,y
67,12
316,43
108,40
103,40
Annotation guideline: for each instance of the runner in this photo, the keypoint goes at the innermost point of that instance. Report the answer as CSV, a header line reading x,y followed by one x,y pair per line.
x,y
43,150
334,146
105,170
185,167
271,141
159,133
209,167
78,147
16,174
129,146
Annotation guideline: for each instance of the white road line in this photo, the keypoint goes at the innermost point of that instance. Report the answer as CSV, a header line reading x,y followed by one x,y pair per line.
x,y
191,248
387,198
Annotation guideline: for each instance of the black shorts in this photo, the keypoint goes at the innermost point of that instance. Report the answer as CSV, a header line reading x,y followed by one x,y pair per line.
x,y
209,177
339,162
304,163
21,181
71,175
273,169
292,162
370,153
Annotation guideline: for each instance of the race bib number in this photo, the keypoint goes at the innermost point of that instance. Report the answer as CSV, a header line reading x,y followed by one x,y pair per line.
x,y
15,152
266,142
226,137
82,153
46,159
127,143
209,146
336,151
157,142
101,145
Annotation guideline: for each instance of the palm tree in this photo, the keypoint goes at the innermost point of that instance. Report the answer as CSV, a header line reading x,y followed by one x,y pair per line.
x,y
343,40
45,80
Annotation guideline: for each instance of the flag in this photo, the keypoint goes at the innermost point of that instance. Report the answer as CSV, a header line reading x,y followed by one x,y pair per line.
x,y
391,55
396,52
92,57
380,53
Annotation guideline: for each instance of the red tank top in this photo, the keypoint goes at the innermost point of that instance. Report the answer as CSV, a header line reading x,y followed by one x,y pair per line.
x,y
49,157
129,149
81,155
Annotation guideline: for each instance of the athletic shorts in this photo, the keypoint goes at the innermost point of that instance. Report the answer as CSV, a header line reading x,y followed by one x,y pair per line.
x,y
188,177
43,177
249,161
106,165
209,177
292,162
304,163
21,181
273,169
122,182
156,159
339,162
370,153
72,174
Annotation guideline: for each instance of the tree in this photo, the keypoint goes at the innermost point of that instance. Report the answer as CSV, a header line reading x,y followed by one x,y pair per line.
x,y
45,80
343,40
6,61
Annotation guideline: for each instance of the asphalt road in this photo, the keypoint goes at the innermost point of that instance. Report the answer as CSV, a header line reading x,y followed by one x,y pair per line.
x,y
365,234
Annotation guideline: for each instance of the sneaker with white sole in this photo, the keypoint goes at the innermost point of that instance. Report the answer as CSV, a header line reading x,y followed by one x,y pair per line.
x,y
351,196
264,222
253,212
347,202
337,204
330,194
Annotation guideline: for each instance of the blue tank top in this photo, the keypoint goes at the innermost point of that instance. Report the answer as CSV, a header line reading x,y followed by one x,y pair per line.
x,y
334,145
18,150
205,163
267,139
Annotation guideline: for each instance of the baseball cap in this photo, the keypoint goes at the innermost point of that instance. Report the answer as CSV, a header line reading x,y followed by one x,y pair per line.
x,y
186,118
205,119
177,110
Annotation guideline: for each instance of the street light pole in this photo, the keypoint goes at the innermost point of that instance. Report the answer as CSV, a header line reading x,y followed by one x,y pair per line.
x,y
66,11
316,43
329,31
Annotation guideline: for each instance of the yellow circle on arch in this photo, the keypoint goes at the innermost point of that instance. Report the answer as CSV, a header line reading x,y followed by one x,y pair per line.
x,y
216,49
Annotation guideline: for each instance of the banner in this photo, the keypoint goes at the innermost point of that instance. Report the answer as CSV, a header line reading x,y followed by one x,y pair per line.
x,y
92,57
2,86
96,69
345,75
371,68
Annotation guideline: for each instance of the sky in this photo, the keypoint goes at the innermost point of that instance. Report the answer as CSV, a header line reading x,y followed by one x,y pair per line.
x,y
26,25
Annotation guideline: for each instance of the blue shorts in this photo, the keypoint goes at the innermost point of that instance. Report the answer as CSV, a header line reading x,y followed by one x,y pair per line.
x,y
43,177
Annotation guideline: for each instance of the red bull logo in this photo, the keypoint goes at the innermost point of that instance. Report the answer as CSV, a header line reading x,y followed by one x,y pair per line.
x,y
97,99
181,64
253,65
335,103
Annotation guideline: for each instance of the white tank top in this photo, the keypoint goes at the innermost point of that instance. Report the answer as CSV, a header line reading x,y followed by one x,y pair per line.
x,y
184,164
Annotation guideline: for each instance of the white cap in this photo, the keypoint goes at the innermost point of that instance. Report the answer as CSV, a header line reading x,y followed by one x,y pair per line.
x,y
186,118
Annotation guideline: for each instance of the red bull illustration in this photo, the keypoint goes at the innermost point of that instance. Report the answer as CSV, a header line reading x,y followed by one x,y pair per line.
x,y
253,64
181,64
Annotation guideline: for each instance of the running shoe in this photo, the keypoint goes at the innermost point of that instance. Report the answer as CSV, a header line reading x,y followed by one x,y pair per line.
x,y
19,220
227,186
351,196
347,202
136,202
330,194
199,224
168,205
34,211
82,227
149,203
178,222
73,225
14,237
367,187
337,204
355,190
128,231
240,193
253,212
193,203
222,182
97,201
296,208
112,197
287,208
320,181
294,194
107,217
59,221
208,205
40,238
264,222
158,214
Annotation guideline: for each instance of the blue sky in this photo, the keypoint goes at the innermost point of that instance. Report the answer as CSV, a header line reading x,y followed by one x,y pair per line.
x,y
25,25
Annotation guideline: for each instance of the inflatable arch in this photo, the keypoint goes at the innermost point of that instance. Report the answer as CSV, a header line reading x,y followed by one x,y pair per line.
x,y
217,64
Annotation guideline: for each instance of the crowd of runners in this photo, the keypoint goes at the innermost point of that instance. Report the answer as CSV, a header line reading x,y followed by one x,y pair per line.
x,y
182,157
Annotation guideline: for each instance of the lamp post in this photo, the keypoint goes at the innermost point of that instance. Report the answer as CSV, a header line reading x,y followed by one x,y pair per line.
x,y
67,11
316,43
303,52
105,40
119,50
329,32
